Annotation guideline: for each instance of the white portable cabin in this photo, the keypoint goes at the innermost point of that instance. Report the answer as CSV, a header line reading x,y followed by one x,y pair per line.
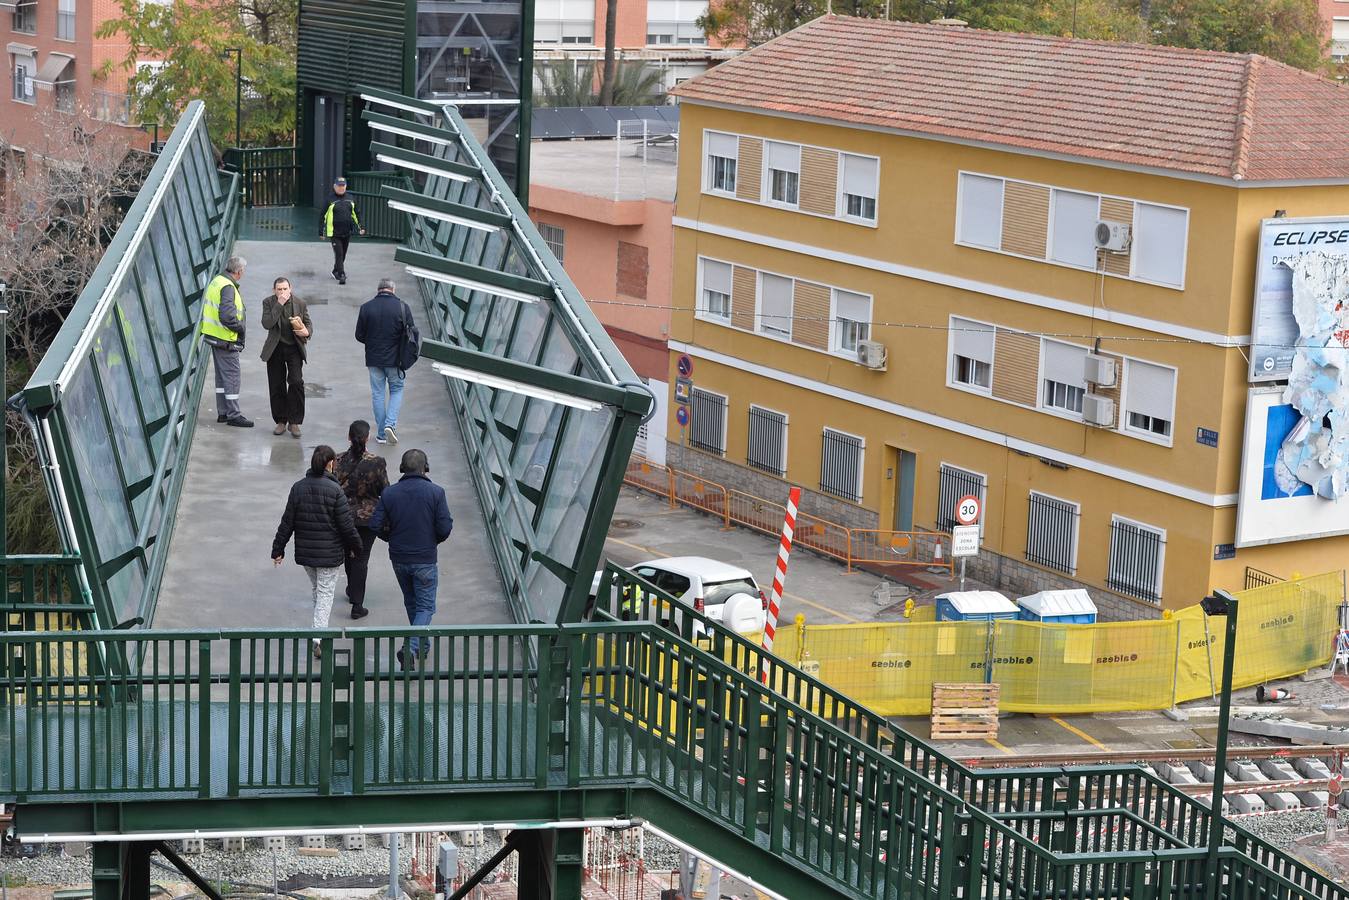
x,y
1072,607
974,606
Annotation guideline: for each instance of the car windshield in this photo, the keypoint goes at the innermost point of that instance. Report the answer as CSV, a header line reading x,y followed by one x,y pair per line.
x,y
719,593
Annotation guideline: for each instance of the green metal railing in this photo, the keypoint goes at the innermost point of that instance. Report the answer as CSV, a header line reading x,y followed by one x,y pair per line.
x,y
1152,803
239,714
268,176
43,593
378,220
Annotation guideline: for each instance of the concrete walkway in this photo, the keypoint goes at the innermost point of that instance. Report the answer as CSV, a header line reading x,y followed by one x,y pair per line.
x,y
220,574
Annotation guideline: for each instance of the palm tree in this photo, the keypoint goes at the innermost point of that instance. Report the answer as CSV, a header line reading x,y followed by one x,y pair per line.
x,y
638,84
566,83
610,38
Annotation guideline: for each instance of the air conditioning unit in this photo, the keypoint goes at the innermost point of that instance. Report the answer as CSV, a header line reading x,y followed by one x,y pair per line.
x,y
871,354
1112,236
1098,410
1099,370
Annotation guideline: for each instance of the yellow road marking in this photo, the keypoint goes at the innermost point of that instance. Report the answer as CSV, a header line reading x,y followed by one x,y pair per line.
x,y
1001,747
798,599
1080,733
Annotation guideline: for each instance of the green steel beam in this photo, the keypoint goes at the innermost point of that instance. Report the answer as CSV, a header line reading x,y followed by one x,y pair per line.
x,y
396,155
431,132
375,94
625,398
455,269
472,213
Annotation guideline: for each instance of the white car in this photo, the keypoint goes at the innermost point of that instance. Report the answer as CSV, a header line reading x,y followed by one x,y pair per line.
x,y
719,591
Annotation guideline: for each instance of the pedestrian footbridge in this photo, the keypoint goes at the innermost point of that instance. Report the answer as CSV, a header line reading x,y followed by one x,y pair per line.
x,y
141,702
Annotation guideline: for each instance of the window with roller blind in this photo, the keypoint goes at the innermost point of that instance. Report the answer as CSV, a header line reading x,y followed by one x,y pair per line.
x,y
971,345
782,170
852,321
979,211
723,153
1159,243
1149,400
1062,386
858,186
1072,238
674,22
775,304
1339,38
564,22
715,298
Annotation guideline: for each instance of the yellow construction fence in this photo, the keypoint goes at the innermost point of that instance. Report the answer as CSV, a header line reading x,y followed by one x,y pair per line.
x,y
1283,629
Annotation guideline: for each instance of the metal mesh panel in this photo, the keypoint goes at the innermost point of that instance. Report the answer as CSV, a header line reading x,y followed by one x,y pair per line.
x,y
955,483
767,440
1051,533
1136,560
841,465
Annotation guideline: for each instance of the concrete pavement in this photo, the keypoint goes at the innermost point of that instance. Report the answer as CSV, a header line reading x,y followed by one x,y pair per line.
x,y
220,574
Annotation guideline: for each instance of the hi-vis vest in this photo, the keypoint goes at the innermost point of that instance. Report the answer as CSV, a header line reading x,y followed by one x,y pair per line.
x,y
633,598
210,309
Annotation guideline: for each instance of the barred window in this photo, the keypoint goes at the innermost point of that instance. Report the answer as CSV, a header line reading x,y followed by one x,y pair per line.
x,y
1051,533
707,421
1136,557
767,440
841,465
554,237
954,484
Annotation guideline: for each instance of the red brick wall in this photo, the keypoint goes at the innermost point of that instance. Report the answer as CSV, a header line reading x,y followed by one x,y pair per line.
x,y
632,270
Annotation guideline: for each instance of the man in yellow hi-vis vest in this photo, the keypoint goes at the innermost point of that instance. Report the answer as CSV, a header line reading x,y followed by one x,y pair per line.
x,y
339,221
222,326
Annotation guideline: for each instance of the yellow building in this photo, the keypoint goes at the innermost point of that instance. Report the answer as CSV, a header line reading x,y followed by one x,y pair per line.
x,y
936,192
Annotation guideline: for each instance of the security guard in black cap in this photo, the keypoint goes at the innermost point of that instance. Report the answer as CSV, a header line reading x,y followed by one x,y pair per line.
x,y
339,221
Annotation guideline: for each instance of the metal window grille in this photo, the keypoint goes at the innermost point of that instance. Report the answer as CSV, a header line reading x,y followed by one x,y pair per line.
x,y
707,421
554,237
841,465
1136,560
1256,578
1051,533
767,440
954,484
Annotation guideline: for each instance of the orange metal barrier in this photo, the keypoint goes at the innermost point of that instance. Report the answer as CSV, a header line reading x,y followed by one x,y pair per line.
x,y
847,545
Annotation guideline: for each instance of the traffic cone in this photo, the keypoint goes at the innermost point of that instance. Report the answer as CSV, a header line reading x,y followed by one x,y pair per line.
x,y
937,564
1272,695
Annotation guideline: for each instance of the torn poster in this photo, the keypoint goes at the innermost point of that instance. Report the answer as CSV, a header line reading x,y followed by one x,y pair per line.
x,y
1316,451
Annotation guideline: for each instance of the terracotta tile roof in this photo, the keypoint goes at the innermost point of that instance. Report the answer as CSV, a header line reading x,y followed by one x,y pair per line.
x,y
1229,115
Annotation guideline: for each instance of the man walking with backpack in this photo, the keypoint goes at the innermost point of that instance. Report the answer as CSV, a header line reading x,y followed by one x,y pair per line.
x,y
384,325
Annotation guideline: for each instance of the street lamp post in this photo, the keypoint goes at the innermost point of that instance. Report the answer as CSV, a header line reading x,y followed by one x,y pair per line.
x,y
1221,603
238,88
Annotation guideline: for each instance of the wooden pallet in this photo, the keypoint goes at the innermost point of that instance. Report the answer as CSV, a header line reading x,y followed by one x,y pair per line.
x,y
964,712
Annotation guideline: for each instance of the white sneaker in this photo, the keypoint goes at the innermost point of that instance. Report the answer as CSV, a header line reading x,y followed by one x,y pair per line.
x,y
380,440
391,434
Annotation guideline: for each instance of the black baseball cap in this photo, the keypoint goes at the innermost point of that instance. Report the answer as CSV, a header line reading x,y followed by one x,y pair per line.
x,y
340,180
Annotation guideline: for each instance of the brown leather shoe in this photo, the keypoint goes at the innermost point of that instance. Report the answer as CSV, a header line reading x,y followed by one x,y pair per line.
x,y
280,428
295,431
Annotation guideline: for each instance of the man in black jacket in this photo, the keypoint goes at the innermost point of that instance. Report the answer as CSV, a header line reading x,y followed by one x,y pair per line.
x,y
318,515
339,221
379,326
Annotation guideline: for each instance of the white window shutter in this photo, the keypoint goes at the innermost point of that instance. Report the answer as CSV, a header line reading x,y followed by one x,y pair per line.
x,y
973,340
980,221
859,175
717,276
849,305
719,144
1064,363
1159,244
1074,218
1151,390
784,157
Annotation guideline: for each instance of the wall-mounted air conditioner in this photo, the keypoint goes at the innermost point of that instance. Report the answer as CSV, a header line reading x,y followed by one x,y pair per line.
x,y
871,354
1098,410
1112,236
1099,370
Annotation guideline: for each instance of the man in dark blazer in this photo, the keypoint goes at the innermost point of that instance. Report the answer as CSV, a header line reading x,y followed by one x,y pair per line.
x,y
285,318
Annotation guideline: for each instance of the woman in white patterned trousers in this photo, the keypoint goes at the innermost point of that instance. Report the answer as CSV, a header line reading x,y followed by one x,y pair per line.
x,y
318,515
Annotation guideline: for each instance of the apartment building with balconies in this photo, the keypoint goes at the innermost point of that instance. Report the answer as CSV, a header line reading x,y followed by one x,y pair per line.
x,y
915,262
56,67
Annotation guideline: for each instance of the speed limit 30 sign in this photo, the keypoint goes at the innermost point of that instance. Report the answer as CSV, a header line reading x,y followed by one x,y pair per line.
x,y
967,510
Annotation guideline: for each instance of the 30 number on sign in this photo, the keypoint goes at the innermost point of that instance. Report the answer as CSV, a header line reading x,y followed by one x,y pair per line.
x,y
967,510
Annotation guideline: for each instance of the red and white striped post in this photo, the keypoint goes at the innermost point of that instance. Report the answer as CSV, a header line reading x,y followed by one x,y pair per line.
x,y
780,574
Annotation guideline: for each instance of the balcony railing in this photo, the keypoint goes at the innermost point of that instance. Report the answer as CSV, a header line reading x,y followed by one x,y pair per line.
x,y
109,106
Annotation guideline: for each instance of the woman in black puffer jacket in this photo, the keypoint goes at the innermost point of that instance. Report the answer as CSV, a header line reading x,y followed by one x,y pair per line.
x,y
318,514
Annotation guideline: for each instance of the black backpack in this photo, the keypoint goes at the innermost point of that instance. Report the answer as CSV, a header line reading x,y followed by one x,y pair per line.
x,y
409,340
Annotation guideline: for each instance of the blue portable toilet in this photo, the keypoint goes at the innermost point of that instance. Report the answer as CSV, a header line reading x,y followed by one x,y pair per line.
x,y
1062,607
974,606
